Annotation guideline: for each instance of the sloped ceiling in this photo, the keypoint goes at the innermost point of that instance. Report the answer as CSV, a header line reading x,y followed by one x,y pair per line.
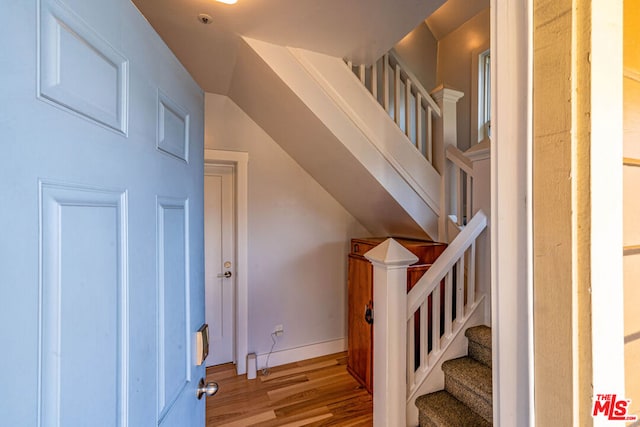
x,y
361,30
453,14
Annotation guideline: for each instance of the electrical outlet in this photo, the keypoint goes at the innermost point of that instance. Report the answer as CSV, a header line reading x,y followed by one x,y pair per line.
x,y
278,330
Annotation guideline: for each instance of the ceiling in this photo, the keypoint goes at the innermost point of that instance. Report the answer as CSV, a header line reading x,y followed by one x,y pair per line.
x,y
222,62
361,30
452,14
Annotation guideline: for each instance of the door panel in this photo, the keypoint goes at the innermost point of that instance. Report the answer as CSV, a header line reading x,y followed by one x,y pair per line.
x,y
82,242
173,337
101,255
79,70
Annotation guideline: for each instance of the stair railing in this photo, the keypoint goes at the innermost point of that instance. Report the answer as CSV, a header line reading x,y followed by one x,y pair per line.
x,y
462,183
437,306
427,120
403,97
442,300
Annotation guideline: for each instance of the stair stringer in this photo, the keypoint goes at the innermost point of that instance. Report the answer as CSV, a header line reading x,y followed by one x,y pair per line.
x,y
372,140
456,347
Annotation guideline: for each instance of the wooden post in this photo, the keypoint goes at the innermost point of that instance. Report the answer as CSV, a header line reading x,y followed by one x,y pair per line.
x,y
480,156
390,261
445,133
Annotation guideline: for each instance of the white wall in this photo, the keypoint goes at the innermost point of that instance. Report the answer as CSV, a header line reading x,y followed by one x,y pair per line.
x,y
298,238
455,58
419,50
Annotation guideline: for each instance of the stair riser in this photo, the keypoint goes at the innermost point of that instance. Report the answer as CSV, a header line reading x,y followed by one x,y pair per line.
x,y
441,409
480,404
467,398
480,353
425,421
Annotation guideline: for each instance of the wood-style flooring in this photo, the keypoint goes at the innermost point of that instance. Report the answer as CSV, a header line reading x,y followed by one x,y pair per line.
x,y
314,392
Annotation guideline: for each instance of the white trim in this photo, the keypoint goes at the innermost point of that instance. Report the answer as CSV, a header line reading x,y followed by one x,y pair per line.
x,y
510,224
607,306
479,151
240,160
304,352
475,92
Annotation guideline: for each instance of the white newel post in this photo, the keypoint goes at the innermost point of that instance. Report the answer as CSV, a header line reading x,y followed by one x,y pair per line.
x,y
390,261
445,132
480,156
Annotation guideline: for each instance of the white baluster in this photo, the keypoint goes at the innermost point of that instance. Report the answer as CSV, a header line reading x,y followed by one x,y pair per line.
x,y
419,141
448,305
396,95
458,183
469,197
407,108
435,319
471,277
362,74
459,289
411,351
424,333
374,80
429,135
385,82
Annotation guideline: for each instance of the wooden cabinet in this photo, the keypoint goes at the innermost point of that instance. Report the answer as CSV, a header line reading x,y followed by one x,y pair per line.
x,y
360,296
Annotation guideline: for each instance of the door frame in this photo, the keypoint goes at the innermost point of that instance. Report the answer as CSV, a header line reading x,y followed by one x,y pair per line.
x,y
511,212
511,226
240,161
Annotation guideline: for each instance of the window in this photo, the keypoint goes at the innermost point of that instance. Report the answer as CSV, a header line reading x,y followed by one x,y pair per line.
x,y
484,95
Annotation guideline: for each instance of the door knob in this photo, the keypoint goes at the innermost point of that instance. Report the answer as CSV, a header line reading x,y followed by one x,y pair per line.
x,y
209,389
226,274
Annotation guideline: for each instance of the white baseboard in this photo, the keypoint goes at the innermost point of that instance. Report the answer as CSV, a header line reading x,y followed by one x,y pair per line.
x,y
296,354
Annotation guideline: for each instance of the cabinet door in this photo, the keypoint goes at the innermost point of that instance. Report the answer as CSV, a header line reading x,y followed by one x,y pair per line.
x,y
360,357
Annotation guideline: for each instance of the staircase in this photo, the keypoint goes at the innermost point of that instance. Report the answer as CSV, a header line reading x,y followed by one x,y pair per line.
x,y
382,164
386,150
466,400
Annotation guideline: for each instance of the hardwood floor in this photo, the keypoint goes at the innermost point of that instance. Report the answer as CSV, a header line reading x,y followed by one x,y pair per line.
x,y
314,392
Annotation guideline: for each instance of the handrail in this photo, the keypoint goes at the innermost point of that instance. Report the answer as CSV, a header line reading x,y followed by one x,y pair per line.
x,y
445,262
459,159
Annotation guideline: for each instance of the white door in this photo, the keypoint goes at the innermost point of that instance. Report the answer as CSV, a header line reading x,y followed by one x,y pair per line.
x,y
101,252
220,263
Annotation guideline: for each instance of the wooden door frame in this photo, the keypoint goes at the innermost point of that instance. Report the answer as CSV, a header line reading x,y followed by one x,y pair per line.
x,y
240,161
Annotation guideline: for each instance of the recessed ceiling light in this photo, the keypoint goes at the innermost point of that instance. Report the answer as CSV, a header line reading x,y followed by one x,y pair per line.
x,y
228,1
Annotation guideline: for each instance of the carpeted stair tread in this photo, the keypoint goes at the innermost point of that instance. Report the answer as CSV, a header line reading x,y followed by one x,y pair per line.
x,y
441,409
470,382
480,344
480,334
472,373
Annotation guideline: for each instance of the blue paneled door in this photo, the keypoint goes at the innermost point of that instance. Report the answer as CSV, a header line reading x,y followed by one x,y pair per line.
x,y
101,235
